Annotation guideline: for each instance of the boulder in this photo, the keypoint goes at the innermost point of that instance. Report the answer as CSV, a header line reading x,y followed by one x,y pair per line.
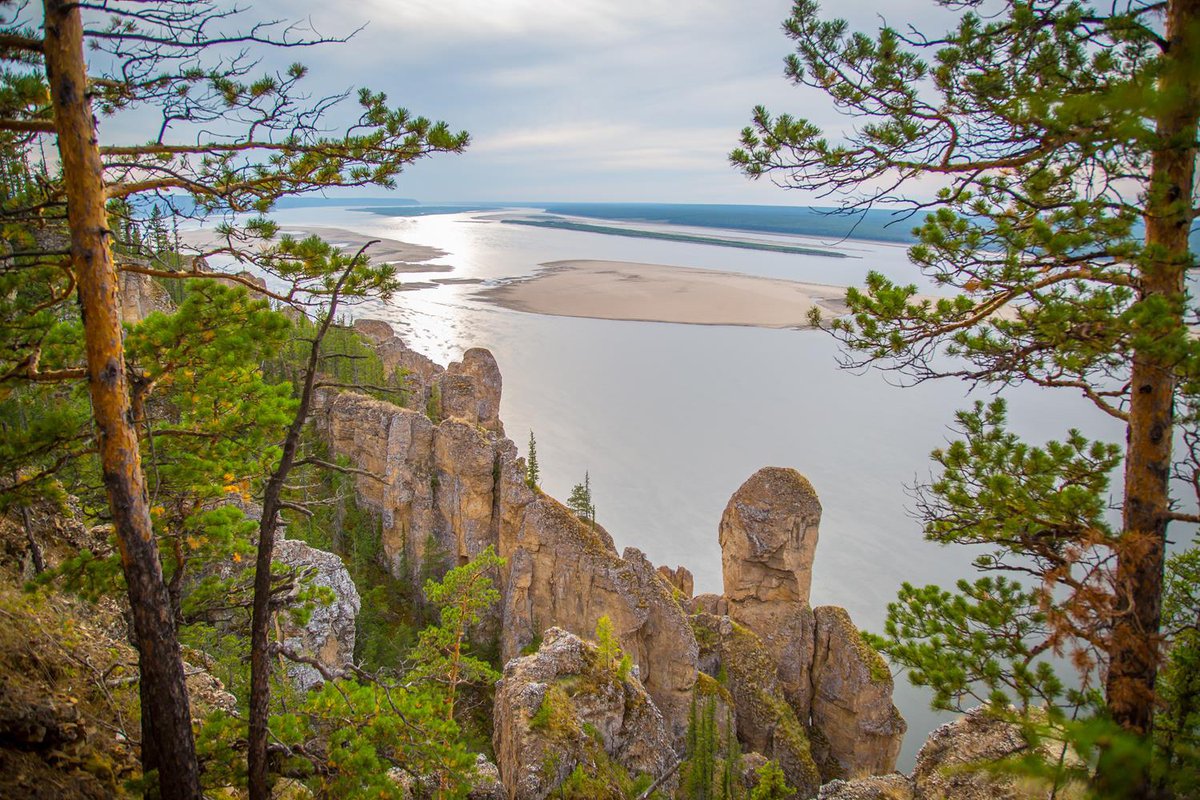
x,y
486,783
877,787
768,538
852,700
563,708
328,635
950,763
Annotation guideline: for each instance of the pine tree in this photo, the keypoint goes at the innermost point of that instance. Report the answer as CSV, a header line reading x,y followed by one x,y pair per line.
x,y
533,472
580,500
267,149
1063,277
772,784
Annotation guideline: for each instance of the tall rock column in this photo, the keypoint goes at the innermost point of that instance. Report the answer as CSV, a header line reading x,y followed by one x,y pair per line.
x,y
768,541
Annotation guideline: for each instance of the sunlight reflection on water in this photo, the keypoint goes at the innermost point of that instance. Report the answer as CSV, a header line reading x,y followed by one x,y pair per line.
x,y
670,419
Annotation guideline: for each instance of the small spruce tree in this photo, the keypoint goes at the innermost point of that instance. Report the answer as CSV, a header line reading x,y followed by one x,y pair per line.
x,y
532,471
580,500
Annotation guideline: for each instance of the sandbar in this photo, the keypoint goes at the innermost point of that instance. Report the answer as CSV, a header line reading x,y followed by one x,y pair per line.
x,y
622,290
403,256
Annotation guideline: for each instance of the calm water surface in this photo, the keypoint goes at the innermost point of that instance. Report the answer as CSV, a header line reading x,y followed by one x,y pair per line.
x,y
670,419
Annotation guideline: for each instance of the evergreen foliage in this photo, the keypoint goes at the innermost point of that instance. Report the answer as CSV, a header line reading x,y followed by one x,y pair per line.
x,y
772,784
533,472
1064,137
580,500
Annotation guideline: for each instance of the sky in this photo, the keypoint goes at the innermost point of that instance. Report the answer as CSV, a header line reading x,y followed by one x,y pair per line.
x,y
600,100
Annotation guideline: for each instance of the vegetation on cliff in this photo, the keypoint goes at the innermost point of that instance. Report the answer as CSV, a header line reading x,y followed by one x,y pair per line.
x,y
1064,139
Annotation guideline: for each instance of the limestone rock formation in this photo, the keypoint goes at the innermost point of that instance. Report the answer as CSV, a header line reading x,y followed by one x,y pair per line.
x,y
765,722
395,446
562,708
140,295
328,635
892,786
852,700
447,491
943,770
680,578
560,571
470,390
768,537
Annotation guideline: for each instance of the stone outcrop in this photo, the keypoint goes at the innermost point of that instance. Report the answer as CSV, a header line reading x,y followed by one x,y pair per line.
x,y
446,483
768,537
877,787
852,700
681,579
563,708
446,491
564,572
470,390
328,635
766,723
140,296
944,764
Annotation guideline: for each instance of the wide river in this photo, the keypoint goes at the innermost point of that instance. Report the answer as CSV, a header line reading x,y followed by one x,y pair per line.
x,y
668,419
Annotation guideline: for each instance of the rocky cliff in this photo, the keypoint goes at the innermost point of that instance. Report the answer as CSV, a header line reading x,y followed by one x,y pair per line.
x,y
563,709
446,483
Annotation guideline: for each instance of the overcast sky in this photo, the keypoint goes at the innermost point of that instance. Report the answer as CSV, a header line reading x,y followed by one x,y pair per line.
x,y
608,100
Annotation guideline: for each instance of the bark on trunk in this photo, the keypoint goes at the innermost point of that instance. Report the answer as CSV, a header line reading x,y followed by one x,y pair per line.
x,y
163,689
1134,649
260,621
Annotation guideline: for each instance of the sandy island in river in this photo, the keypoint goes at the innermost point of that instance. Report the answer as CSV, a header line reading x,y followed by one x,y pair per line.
x,y
624,290
404,256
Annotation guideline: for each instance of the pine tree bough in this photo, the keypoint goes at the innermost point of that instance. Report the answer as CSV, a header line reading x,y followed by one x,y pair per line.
x,y
1065,140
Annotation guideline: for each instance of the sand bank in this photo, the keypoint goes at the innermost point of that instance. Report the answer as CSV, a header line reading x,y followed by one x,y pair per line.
x,y
658,293
404,256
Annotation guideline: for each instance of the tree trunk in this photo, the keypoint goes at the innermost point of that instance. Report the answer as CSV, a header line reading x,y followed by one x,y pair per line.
x,y
1134,650
260,621
163,688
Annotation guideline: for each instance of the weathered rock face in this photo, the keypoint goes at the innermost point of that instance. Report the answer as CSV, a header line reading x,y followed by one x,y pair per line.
x,y
769,537
943,764
561,708
768,540
470,390
836,685
876,787
681,579
486,784
765,722
396,445
376,330
140,296
328,636
852,700
561,571
450,490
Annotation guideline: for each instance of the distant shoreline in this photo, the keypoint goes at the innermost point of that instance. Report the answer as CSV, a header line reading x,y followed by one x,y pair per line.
x,y
689,238
404,257
629,291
